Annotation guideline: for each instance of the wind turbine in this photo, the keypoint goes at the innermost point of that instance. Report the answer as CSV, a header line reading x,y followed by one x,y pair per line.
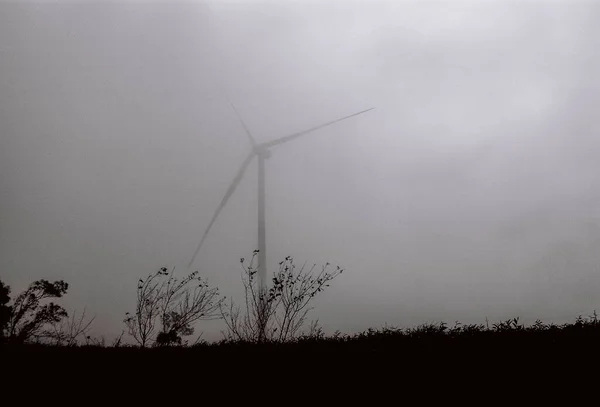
x,y
262,152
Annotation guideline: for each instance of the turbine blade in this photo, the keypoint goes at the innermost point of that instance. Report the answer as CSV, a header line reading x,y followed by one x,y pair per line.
x,y
252,141
232,187
291,137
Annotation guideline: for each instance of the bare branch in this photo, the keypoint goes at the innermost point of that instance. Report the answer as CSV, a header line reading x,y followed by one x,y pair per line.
x,y
167,308
29,317
279,313
68,331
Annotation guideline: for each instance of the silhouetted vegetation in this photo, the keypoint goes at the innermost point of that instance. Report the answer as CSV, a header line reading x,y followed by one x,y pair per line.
x,y
167,308
503,338
69,331
5,309
279,313
25,319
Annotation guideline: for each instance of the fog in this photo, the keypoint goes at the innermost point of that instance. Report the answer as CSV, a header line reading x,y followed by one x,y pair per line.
x,y
472,191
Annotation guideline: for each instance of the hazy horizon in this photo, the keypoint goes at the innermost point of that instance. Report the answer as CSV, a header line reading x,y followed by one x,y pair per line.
x,y
470,192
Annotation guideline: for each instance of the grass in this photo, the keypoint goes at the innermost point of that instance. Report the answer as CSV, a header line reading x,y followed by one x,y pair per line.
x,y
462,354
435,336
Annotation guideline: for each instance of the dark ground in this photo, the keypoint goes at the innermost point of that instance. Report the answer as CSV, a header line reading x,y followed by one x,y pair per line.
x,y
507,349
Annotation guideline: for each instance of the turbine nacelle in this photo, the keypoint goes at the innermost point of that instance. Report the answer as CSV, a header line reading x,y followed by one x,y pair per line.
x,y
262,152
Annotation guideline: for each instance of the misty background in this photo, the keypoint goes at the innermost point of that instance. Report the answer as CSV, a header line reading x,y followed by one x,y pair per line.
x,y
472,190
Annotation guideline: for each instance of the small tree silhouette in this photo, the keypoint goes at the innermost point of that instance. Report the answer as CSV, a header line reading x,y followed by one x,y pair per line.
x,y
5,309
28,316
167,308
279,313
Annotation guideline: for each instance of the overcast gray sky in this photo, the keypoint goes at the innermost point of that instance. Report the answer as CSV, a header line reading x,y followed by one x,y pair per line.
x,y
472,190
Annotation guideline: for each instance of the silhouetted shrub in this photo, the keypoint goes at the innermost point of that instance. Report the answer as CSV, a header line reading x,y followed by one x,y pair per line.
x,y
5,309
28,316
167,308
69,331
277,313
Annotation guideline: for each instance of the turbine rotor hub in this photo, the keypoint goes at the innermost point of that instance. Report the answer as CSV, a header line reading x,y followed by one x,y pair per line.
x,y
262,152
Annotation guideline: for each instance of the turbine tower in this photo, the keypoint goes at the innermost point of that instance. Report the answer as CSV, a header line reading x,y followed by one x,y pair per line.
x,y
262,152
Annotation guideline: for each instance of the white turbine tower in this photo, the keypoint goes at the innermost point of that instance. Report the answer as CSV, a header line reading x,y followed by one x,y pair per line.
x,y
262,152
